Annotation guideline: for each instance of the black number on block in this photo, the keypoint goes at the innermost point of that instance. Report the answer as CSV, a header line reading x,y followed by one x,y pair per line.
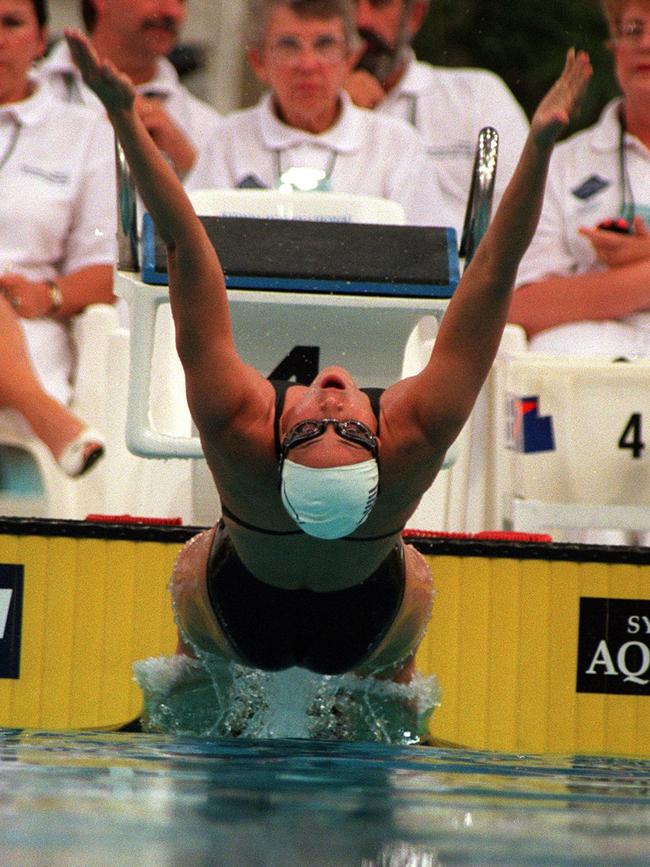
x,y
302,363
632,438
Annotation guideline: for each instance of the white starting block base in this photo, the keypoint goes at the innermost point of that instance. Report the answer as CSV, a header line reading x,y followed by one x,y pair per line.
x,y
345,329
534,516
349,330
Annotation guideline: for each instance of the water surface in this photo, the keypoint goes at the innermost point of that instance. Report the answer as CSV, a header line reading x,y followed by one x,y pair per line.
x,y
136,799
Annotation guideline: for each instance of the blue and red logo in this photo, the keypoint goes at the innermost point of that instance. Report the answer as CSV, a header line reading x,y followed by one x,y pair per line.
x,y
528,431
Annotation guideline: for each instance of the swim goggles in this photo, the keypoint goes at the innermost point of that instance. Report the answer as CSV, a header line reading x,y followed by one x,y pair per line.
x,y
310,429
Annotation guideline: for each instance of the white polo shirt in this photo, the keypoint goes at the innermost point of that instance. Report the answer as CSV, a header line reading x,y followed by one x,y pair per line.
x,y
58,209
449,107
195,118
363,153
586,185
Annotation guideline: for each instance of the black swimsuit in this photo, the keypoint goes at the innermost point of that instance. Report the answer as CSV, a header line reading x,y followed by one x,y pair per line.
x,y
272,628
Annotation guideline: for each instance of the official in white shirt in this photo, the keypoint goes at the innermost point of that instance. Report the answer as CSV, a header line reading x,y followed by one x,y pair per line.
x,y
136,35
585,289
305,132
447,106
57,236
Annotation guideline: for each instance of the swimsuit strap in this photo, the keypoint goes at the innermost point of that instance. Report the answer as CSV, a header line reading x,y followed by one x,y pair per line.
x,y
374,396
241,523
281,387
266,532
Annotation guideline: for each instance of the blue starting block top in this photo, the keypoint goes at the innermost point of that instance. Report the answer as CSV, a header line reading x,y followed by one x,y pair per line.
x,y
275,255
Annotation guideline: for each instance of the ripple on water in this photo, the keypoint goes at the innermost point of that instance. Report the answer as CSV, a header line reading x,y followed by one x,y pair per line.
x,y
155,799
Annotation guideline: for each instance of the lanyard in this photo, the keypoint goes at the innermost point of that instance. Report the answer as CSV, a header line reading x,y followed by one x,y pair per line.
x,y
413,109
303,179
4,159
72,88
628,205
408,101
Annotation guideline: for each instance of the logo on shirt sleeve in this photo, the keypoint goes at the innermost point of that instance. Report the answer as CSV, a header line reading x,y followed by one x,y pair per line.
x,y
59,178
594,184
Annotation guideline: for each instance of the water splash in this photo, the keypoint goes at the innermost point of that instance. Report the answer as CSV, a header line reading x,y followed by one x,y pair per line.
x,y
214,697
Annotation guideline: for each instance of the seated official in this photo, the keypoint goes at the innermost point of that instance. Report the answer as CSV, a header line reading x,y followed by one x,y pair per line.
x,y
57,237
447,106
584,285
137,37
305,133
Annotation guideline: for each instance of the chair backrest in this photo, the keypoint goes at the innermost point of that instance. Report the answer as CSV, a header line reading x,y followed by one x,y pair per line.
x,y
328,207
576,429
31,483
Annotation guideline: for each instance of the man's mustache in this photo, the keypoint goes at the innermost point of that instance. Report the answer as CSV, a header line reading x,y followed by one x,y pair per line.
x,y
374,43
163,22
378,57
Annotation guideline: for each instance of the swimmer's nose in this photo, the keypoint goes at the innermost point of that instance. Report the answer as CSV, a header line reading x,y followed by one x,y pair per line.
x,y
331,403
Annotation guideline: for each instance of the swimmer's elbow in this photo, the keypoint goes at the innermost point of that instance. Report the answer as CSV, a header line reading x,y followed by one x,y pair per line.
x,y
440,433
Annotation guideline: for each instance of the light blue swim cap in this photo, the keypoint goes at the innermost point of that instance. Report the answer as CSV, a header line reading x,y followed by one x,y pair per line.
x,y
329,502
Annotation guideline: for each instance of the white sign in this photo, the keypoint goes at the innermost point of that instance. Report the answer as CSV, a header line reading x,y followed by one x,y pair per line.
x,y
5,604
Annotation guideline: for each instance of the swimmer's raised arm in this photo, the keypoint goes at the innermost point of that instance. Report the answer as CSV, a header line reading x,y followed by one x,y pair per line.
x,y
196,283
471,329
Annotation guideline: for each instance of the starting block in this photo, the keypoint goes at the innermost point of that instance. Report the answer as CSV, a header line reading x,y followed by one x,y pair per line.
x,y
303,294
577,442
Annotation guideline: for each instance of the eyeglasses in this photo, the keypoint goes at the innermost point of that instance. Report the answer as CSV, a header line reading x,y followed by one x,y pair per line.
x,y
287,50
310,429
631,31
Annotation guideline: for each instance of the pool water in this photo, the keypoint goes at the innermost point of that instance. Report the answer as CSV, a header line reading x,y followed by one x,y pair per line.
x,y
137,799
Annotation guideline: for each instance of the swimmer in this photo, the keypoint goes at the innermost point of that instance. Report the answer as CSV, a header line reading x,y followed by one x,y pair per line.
x,y
307,567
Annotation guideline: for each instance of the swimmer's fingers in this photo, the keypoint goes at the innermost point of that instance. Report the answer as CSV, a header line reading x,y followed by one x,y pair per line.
x,y
111,86
84,56
562,100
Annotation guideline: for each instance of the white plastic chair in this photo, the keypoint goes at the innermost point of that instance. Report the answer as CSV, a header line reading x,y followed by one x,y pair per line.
x,y
467,493
594,471
31,483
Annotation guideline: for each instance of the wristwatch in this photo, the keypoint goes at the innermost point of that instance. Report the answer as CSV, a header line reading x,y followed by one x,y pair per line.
x,y
55,295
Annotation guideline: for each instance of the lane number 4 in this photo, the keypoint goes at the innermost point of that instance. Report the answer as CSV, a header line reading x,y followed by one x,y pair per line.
x,y
632,437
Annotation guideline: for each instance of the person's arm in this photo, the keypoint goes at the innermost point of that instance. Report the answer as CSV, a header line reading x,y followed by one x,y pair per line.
x,y
32,299
615,286
444,393
595,295
216,377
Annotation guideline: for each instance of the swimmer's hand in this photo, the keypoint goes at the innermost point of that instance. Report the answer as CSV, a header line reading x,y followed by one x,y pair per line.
x,y
562,101
111,86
